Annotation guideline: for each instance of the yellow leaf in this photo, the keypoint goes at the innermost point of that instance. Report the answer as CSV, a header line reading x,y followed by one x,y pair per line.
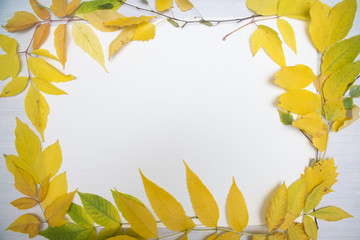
x,y
271,42
9,159
121,237
295,8
296,232
288,33
166,207
58,7
37,109
351,116
135,212
335,110
277,236
314,198
294,77
43,189
9,63
128,21
125,36
46,87
24,203
70,8
229,236
338,83
44,53
276,211
40,35
26,223
288,221
99,17
320,142
310,227
87,40
144,32
299,101
41,12
184,5
162,5
184,237
57,187
259,237
340,55
323,171
341,20
14,87
313,127
297,193
55,212
319,26
263,7
203,203
130,232
9,45
20,21
236,210
256,42
60,43
25,183
330,214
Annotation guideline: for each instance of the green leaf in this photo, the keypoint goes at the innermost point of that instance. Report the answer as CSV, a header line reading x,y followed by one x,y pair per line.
x,y
348,103
330,214
314,198
175,24
91,6
109,232
79,216
68,231
355,91
101,210
206,23
310,227
285,117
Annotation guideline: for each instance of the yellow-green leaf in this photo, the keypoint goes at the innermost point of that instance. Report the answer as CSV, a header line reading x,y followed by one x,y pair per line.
x,y
144,32
184,5
166,207
40,35
288,33
20,21
299,101
314,198
311,126
341,19
44,53
229,236
37,109
46,87
87,40
285,117
98,18
110,232
236,210
203,203
14,87
26,223
295,77
297,193
25,183
41,12
41,69
79,216
135,212
60,43
128,21
295,8
55,212
162,5
310,227
9,63
56,188
296,232
340,54
338,83
276,211
125,36
24,203
330,214
263,7
335,110
100,210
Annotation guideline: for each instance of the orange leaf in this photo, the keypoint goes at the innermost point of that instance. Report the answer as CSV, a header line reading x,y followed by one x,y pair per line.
x,y
20,21
41,12
24,203
26,224
58,7
60,43
41,34
25,183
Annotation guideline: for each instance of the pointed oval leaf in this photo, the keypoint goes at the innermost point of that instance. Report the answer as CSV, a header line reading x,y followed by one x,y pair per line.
x,y
25,183
256,41
285,117
55,212
26,223
98,19
66,232
8,44
144,32
314,198
46,87
299,101
288,33
14,87
44,53
294,77
276,211
56,188
24,203
125,36
184,5
60,43
43,189
9,65
72,6
295,8
79,216
40,35
330,214
40,11
297,194
58,7
319,26
297,232
20,21
128,21
162,5
272,45
310,227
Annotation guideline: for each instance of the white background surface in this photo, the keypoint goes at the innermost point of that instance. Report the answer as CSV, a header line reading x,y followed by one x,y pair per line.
x,y
186,95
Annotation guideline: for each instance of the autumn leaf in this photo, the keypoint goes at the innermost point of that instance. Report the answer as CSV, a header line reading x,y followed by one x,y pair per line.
x,y
98,19
294,77
296,231
40,11
56,188
72,6
24,203
162,5
288,33
128,21
79,216
335,110
144,32
125,36
43,189
44,53
37,109
296,197
330,214
212,237
20,21
277,236
299,101
166,207
184,5
9,62
236,210
355,91
26,223
14,87
110,232
69,231
311,126
122,237
100,210
87,40
135,212
263,7
310,227
229,236
9,160
40,35
320,142
295,8
54,213
60,43
46,87
351,116
58,7
319,26
276,211
314,198
285,117
94,5
203,203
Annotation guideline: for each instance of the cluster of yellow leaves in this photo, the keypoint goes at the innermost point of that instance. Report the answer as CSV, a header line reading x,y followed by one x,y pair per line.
x,y
184,5
35,173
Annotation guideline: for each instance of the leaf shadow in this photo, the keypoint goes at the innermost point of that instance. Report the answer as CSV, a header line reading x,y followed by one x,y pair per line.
x,y
264,206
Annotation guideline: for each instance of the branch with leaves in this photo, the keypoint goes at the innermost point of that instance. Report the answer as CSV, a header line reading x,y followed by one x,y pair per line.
x,y
330,108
